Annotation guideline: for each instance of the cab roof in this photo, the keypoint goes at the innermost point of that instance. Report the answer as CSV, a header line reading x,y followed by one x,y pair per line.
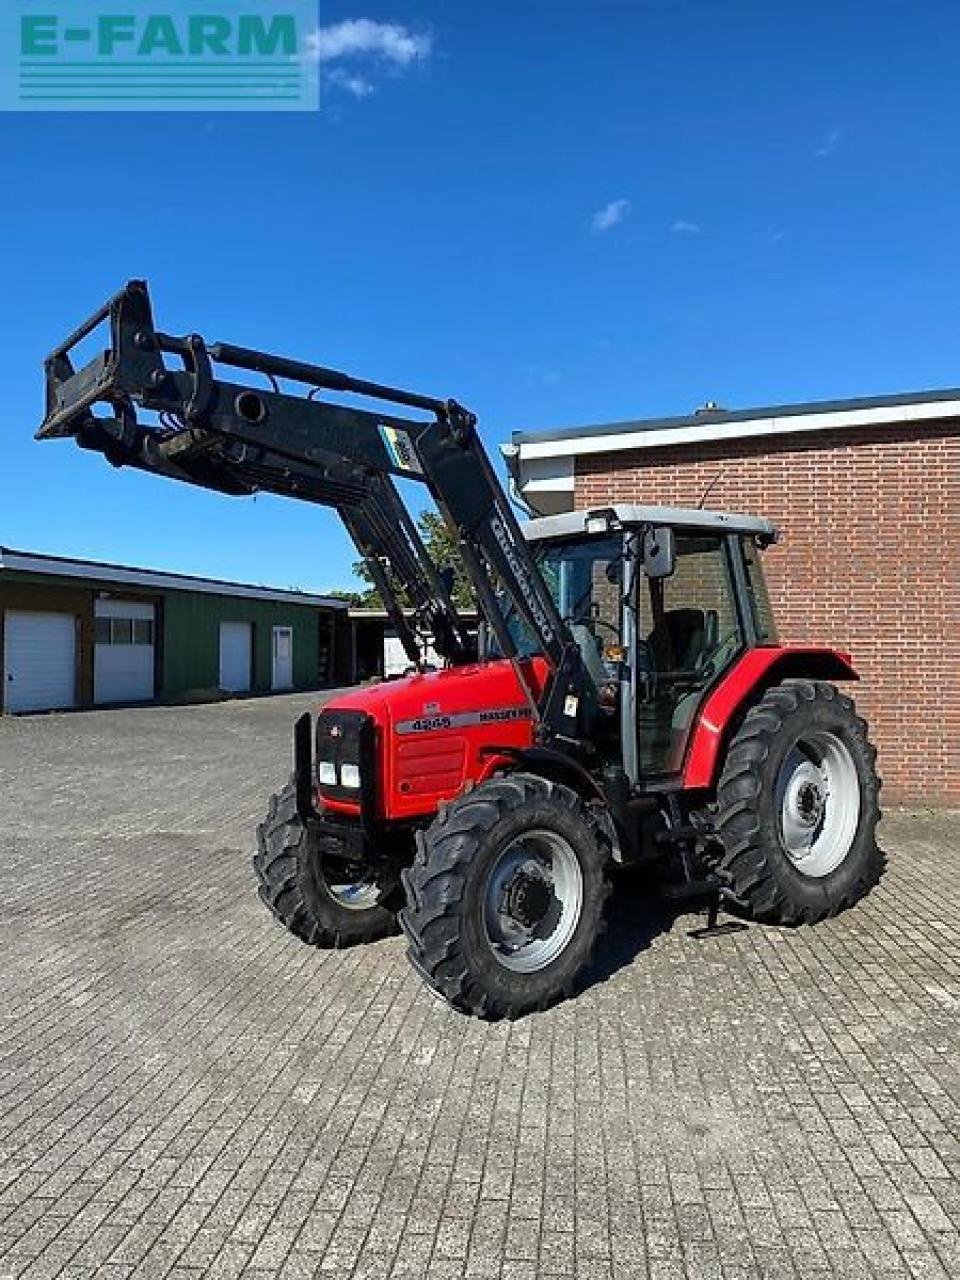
x,y
570,524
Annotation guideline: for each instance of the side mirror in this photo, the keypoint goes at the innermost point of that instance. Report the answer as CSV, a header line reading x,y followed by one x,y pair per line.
x,y
659,552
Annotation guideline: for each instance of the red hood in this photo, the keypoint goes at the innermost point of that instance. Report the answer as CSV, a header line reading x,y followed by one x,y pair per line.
x,y
443,729
478,687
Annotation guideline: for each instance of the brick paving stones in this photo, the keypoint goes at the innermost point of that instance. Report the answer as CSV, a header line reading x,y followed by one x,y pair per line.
x,y
186,1091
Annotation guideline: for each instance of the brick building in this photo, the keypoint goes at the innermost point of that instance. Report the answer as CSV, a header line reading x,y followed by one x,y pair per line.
x,y
867,495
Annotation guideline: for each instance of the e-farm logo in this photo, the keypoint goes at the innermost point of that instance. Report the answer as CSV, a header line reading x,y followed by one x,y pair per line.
x,y
175,55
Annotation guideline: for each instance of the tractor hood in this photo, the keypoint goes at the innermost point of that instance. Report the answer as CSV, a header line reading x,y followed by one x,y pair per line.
x,y
442,729
481,687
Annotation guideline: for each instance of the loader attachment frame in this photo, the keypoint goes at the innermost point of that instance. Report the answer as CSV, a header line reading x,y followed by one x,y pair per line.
x,y
240,439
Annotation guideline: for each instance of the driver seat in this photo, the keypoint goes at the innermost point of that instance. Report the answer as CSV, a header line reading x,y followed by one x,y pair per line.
x,y
683,639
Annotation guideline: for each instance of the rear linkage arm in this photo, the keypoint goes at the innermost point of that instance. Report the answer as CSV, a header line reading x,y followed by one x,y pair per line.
x,y
238,439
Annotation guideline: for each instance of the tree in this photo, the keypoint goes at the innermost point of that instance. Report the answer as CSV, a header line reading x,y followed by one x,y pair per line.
x,y
442,549
353,598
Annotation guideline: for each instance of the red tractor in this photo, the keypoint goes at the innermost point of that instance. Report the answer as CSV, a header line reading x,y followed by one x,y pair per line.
x,y
627,701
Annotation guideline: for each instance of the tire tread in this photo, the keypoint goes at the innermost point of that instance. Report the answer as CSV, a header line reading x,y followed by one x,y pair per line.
x,y
751,870
280,865
435,884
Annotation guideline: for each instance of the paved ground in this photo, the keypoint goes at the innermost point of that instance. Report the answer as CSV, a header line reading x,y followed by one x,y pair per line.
x,y
185,1090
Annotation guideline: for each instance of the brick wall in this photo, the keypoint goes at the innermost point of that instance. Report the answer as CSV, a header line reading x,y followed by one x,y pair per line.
x,y
869,561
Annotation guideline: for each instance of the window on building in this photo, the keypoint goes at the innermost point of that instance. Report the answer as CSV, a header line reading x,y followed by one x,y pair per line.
x,y
123,631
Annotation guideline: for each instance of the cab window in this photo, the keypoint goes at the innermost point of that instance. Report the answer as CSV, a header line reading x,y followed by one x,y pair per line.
x,y
585,581
689,635
759,597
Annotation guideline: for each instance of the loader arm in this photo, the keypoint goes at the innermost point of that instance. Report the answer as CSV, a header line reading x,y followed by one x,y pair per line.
x,y
367,508
238,439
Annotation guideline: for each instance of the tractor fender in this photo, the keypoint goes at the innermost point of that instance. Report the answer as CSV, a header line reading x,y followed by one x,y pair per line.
x,y
743,684
547,763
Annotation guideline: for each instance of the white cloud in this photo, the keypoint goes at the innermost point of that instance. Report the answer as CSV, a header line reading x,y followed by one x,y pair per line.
x,y
611,215
829,145
362,37
684,228
359,86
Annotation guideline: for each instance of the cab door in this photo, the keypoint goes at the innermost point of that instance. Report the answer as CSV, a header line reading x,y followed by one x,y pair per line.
x,y
689,634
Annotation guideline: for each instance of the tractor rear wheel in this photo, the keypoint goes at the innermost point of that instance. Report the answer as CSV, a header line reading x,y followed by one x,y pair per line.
x,y
322,899
797,806
505,896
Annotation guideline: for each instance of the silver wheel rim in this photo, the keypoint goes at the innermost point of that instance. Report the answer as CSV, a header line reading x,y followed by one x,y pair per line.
x,y
818,797
355,895
532,901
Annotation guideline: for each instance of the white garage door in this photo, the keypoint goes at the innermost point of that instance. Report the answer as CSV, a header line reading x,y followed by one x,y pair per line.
x,y
124,651
236,650
39,661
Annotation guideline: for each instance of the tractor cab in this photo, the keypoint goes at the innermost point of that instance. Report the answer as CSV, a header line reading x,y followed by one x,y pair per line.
x,y
661,602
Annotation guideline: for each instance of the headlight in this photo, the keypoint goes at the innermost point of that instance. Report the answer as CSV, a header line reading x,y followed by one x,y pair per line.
x,y
350,776
343,754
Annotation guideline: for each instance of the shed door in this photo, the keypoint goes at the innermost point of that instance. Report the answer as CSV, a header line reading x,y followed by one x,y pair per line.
x,y
395,660
236,653
282,657
39,661
124,651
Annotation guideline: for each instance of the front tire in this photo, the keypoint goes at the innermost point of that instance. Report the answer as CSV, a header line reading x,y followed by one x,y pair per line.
x,y
797,807
310,889
505,896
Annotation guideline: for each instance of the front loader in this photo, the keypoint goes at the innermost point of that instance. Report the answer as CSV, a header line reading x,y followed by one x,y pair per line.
x,y
629,704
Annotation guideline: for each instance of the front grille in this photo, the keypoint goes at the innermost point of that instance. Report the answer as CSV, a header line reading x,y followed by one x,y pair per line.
x,y
346,737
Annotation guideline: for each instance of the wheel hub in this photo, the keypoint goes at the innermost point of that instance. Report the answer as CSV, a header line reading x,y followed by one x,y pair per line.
x,y
353,886
527,898
819,800
532,900
809,802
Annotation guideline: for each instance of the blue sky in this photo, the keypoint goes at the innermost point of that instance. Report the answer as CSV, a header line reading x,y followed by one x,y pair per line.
x,y
557,213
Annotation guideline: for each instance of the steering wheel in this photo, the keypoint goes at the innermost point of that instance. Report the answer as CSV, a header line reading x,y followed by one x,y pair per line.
x,y
594,625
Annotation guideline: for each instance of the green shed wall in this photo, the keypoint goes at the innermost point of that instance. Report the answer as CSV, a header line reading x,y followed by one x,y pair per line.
x,y
191,650
188,630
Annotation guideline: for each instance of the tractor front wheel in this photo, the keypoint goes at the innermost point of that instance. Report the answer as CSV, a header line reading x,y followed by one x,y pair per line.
x,y
797,806
505,896
315,893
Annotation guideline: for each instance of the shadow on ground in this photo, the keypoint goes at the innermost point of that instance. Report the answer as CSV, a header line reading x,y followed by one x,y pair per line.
x,y
636,917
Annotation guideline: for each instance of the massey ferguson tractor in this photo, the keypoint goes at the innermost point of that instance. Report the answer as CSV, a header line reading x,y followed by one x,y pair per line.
x,y
627,703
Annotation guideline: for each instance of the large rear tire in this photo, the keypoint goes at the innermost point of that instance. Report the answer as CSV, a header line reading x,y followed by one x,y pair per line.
x,y
308,886
797,807
504,900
